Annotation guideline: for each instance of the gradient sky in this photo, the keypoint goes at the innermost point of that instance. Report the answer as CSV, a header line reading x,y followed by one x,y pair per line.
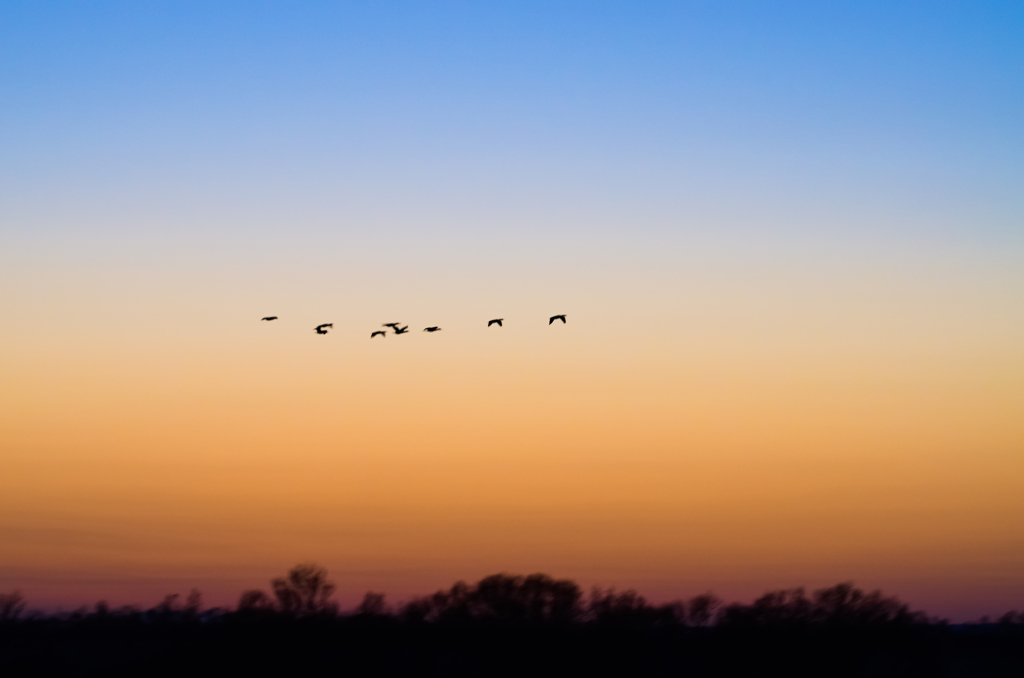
x,y
789,238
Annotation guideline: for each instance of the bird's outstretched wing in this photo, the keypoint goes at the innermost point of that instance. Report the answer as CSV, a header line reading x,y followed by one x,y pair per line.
x,y
431,329
496,320
391,325
381,333
269,317
556,317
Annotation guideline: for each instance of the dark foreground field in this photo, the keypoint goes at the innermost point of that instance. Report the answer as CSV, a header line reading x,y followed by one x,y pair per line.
x,y
391,648
510,626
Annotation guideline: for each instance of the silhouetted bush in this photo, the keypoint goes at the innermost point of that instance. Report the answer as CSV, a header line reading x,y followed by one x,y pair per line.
x,y
255,601
701,610
501,597
11,606
840,605
1012,617
631,609
372,605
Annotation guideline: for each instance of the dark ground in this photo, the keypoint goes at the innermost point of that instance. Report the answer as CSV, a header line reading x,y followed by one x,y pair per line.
x,y
391,647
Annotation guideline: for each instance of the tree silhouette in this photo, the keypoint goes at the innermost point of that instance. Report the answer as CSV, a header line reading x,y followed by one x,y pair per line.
x,y
193,604
843,604
501,597
167,608
11,606
629,608
839,605
255,600
701,610
304,591
372,605
1012,617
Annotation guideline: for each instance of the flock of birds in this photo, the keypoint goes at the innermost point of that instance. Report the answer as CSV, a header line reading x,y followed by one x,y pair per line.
x,y
398,328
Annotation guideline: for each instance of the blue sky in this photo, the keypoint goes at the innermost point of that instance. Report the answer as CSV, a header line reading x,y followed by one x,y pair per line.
x,y
904,115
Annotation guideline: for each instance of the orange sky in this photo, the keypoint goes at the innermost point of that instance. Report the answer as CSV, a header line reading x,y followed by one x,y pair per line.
x,y
777,418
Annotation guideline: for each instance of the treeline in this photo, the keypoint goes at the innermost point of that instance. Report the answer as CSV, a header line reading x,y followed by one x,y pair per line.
x,y
305,592
508,625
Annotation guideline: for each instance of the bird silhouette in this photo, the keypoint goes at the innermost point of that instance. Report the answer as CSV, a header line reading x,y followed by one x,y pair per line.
x,y
320,328
556,317
401,330
391,325
431,329
496,320
269,317
381,333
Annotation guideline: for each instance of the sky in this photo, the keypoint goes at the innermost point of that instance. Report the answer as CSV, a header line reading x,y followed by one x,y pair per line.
x,y
788,238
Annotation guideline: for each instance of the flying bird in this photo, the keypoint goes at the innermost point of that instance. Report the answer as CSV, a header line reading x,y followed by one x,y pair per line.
x,y
393,326
401,330
431,329
556,317
320,328
496,320
269,317
381,333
